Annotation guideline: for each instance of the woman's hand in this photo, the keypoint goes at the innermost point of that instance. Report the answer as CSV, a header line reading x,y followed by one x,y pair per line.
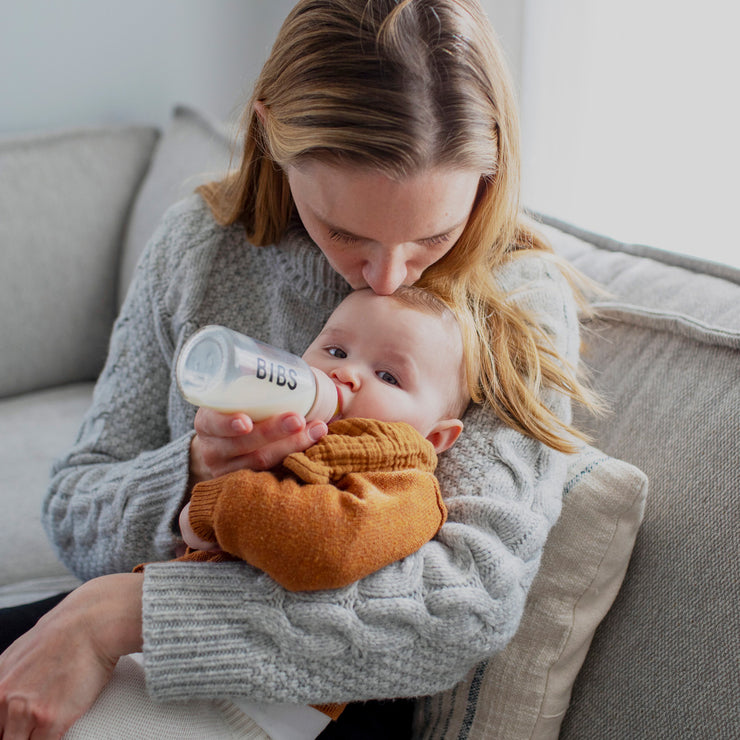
x,y
51,676
224,443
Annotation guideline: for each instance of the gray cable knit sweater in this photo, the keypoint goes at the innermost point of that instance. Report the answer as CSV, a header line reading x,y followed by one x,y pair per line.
x,y
413,628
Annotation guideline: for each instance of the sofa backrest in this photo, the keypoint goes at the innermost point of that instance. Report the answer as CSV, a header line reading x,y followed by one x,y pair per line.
x,y
76,211
64,203
665,353
193,149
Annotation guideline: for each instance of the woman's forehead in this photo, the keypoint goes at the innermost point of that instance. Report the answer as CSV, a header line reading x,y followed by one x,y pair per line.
x,y
367,202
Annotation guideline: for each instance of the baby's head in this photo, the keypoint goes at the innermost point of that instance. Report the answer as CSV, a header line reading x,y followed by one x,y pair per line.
x,y
396,358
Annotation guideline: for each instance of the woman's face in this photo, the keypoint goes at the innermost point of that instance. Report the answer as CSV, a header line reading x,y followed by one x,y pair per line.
x,y
377,232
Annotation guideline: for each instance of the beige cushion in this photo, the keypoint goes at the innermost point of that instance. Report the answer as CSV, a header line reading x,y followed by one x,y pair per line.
x,y
524,691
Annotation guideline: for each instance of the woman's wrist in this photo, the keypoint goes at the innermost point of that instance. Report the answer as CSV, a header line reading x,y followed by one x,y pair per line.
x,y
111,609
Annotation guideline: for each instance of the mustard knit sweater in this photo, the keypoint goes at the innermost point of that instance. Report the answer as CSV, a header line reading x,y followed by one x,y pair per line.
x,y
361,498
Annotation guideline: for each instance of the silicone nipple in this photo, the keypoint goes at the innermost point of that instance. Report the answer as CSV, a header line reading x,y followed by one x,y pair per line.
x,y
326,403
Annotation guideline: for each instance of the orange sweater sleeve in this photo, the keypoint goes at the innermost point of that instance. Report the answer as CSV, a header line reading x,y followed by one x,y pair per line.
x,y
311,536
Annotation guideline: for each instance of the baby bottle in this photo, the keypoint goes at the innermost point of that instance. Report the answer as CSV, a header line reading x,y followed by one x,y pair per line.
x,y
227,371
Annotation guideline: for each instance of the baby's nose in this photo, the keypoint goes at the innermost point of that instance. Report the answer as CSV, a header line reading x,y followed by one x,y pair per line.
x,y
346,375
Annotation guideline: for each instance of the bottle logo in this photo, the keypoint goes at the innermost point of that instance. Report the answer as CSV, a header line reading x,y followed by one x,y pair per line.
x,y
274,372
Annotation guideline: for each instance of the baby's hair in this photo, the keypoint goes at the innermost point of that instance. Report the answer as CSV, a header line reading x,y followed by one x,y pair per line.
x,y
420,299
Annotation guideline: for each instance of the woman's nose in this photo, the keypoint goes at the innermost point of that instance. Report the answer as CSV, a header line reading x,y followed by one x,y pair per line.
x,y
386,272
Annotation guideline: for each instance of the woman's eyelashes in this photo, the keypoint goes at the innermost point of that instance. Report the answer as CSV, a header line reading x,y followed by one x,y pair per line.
x,y
338,236
435,241
431,241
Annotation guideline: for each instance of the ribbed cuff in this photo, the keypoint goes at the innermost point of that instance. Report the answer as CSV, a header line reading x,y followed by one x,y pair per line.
x,y
202,506
163,474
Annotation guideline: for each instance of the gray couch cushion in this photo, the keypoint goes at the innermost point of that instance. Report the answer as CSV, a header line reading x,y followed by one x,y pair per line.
x,y
64,200
34,429
193,149
665,352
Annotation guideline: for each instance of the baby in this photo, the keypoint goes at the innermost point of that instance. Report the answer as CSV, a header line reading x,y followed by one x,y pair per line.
x,y
365,495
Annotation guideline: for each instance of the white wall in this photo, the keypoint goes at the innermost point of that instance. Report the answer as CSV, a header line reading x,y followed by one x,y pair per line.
x,y
74,62
507,17
630,118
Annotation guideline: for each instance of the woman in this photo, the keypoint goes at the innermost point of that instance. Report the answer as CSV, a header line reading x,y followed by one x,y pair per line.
x,y
380,149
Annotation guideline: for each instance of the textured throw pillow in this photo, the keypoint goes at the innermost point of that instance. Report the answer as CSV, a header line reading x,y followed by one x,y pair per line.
x,y
524,691
665,352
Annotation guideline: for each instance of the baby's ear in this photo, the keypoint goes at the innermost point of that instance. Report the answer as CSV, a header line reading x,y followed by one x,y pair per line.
x,y
444,434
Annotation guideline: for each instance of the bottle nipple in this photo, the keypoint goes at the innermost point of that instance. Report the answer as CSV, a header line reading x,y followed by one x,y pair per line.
x,y
326,404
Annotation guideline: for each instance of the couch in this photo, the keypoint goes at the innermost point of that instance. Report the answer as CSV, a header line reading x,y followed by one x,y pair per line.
x,y
632,628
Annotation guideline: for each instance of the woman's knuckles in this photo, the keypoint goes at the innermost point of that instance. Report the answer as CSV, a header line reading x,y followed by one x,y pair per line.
x,y
24,714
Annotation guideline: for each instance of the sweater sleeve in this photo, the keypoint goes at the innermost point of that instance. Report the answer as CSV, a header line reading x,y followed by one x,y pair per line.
x,y
319,535
114,498
415,627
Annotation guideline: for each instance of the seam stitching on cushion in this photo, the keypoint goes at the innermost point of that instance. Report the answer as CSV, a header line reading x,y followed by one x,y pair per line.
x,y
674,322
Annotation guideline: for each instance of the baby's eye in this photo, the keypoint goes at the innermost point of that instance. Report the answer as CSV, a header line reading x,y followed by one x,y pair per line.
x,y
386,377
337,352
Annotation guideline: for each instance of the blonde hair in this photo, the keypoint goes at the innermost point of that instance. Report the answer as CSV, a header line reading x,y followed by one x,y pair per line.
x,y
401,86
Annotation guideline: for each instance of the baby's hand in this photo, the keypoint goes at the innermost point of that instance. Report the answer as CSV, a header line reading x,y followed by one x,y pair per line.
x,y
192,539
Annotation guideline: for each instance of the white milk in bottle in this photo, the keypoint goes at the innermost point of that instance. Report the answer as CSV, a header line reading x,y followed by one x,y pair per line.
x,y
228,371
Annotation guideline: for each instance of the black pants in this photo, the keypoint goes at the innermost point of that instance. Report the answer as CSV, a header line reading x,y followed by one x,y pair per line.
x,y
16,620
373,720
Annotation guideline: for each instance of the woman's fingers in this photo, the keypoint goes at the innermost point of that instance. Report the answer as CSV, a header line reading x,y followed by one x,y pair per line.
x,y
24,722
19,721
275,449
210,423
51,675
228,442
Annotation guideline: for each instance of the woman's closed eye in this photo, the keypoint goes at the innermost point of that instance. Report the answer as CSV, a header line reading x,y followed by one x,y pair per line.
x,y
430,241
339,236
436,241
